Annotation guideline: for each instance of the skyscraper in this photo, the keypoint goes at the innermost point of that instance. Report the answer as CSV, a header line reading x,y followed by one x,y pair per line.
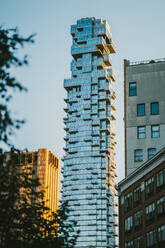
x,y
89,167
144,106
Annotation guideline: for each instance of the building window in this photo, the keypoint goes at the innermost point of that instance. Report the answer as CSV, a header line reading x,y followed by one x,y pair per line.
x,y
151,152
78,89
137,195
140,109
128,202
29,158
128,224
138,219
155,131
22,158
129,244
138,155
151,238
161,233
149,187
141,132
161,207
132,89
94,86
154,108
150,213
160,179
138,242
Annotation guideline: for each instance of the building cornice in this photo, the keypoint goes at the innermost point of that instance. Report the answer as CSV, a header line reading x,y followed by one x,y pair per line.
x,y
144,169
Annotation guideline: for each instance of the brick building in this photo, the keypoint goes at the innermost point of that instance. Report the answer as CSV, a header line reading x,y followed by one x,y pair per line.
x,y
142,205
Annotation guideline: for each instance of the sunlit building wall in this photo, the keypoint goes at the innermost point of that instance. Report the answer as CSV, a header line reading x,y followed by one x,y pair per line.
x,y
46,166
89,166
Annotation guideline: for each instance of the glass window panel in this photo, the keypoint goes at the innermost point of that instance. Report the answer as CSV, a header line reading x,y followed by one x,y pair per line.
x,y
155,131
137,195
128,202
132,89
128,224
138,219
141,132
154,108
151,152
129,244
161,207
151,238
160,178
140,109
138,155
138,242
161,233
149,187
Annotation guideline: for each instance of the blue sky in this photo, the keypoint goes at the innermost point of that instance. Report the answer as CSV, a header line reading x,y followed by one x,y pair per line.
x,y
138,31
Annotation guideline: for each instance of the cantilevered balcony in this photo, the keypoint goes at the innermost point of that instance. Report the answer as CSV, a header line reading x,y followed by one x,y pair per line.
x,y
104,116
86,106
112,47
113,117
96,133
73,141
66,138
112,130
101,107
73,130
75,82
76,51
65,149
113,107
115,213
107,59
88,138
73,29
66,110
66,128
110,74
72,109
113,95
96,143
113,165
86,116
65,119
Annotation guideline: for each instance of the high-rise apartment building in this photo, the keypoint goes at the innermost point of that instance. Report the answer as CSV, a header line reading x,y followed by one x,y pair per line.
x,y
89,167
144,104
46,166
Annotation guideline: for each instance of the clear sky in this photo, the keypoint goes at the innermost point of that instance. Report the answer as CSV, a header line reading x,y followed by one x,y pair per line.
x,y
138,29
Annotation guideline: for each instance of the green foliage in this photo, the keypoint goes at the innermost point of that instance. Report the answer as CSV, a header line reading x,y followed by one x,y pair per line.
x,y
21,205
10,41
22,208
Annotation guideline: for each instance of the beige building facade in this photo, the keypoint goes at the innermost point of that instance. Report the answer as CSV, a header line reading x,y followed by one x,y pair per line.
x,y
144,115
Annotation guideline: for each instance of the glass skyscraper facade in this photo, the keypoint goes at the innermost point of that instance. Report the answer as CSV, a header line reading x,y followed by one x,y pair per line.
x,y
89,167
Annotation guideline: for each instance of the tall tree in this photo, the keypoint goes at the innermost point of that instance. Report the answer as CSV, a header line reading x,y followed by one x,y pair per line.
x,y
22,207
22,210
10,41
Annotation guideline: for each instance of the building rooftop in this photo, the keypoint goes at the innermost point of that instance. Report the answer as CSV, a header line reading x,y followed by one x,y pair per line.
x,y
145,168
143,62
